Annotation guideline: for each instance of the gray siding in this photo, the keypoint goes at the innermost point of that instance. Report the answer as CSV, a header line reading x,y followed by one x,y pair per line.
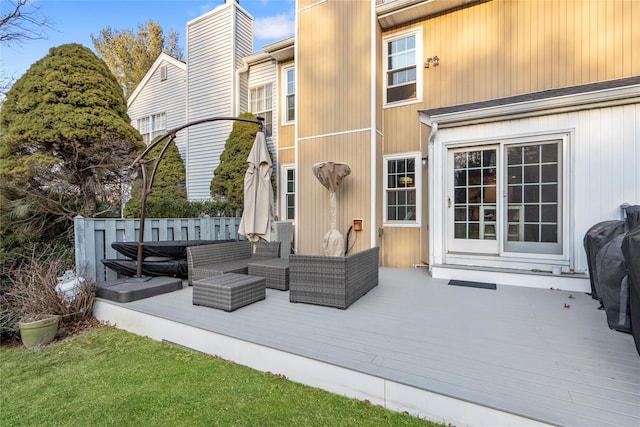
x,y
163,96
216,43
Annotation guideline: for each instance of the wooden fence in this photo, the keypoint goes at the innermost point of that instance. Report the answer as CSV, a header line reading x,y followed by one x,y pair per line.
x,y
93,238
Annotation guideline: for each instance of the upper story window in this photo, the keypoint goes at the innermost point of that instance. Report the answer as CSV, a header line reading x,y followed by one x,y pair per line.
x,y
402,199
289,85
163,73
403,80
261,104
152,126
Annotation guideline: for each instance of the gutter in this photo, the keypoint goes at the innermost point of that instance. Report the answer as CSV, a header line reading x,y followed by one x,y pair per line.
x,y
236,90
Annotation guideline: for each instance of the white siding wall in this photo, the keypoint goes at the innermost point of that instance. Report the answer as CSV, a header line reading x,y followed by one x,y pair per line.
x,y
168,96
604,154
260,75
216,42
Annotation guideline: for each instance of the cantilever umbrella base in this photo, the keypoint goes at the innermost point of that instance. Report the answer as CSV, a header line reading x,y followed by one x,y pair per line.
x,y
135,288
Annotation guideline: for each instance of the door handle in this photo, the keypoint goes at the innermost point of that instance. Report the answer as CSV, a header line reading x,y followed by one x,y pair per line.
x,y
448,202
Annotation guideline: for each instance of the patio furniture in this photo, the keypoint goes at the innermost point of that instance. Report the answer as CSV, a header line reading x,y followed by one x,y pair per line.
x,y
232,257
275,271
332,281
228,291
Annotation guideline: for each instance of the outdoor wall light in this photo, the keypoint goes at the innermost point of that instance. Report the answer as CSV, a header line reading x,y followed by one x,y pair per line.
x,y
424,161
434,59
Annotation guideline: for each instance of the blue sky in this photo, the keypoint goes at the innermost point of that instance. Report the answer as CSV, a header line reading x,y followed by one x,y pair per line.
x,y
74,21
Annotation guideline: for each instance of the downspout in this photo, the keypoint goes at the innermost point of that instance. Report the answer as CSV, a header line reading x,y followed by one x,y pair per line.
x,y
430,180
374,132
239,71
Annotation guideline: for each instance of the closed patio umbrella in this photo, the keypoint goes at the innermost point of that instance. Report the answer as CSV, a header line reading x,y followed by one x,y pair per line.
x,y
257,215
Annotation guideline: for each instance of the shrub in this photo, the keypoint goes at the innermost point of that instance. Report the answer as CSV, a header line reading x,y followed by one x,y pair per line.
x,y
30,288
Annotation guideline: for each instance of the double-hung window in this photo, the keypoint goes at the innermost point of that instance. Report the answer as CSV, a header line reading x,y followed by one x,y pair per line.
x,y
402,198
261,104
289,193
403,81
289,85
151,127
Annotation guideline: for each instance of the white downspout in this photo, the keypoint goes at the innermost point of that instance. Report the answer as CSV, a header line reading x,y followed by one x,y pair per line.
x,y
236,90
430,181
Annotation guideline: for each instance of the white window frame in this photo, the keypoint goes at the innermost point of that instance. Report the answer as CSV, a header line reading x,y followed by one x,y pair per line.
x,y
537,253
284,192
417,157
417,32
152,126
261,104
286,94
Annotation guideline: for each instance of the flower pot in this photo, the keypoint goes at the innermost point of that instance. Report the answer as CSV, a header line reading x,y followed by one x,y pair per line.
x,y
39,332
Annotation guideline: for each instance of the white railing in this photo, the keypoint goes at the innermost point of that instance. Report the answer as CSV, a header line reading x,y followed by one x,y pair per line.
x,y
93,238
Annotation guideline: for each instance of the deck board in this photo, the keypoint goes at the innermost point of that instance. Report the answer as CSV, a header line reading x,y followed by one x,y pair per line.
x,y
518,350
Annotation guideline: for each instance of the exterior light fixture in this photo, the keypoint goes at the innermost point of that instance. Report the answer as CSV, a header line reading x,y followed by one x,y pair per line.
x,y
436,61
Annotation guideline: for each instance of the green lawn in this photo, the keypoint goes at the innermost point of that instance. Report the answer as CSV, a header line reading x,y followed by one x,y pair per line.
x,y
110,377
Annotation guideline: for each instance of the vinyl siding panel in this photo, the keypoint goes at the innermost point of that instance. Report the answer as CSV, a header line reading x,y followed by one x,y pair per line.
x,y
216,43
353,195
333,117
164,96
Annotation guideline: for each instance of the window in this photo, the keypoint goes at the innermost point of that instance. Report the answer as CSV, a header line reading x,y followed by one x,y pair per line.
x,y
151,127
403,81
401,196
289,193
289,85
163,73
260,100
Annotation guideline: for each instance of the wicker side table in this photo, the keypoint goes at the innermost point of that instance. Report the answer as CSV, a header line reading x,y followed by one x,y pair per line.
x,y
228,291
275,271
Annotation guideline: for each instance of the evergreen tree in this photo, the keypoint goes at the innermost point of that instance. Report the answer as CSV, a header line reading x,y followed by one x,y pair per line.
x,y
228,177
168,187
66,146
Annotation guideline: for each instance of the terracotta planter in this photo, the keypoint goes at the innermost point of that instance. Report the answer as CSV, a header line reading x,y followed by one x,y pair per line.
x,y
39,332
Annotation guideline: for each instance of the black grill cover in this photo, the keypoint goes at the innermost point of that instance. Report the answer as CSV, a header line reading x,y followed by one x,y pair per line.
x,y
631,252
613,284
599,235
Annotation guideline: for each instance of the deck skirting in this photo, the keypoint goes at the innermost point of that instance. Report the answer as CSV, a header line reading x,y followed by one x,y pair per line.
x,y
315,373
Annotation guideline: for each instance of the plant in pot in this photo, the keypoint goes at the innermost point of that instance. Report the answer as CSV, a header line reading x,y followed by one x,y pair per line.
x,y
32,302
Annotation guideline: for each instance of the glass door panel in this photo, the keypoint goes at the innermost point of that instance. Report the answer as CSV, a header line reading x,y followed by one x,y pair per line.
x,y
472,200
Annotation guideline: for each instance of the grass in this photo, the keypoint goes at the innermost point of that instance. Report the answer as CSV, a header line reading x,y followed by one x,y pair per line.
x,y
111,377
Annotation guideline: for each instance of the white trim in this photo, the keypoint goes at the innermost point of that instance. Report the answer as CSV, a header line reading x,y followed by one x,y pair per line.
x,y
163,57
302,9
548,106
417,156
284,82
327,135
374,146
417,32
283,191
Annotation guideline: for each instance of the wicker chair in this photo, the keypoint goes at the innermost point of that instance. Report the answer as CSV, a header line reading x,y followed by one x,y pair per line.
x,y
332,281
231,257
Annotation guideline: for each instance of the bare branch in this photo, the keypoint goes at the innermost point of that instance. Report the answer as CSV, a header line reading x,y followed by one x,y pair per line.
x,y
22,21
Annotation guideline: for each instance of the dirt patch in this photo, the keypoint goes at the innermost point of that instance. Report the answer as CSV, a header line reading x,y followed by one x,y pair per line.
x,y
65,331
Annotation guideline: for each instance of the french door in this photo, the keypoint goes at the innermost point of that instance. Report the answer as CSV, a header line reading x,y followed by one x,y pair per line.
x,y
505,198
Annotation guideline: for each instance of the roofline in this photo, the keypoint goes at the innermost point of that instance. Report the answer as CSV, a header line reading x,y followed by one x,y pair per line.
x,y
572,98
163,57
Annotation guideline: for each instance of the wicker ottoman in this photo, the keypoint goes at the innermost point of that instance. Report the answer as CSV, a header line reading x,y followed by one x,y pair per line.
x,y
275,271
228,291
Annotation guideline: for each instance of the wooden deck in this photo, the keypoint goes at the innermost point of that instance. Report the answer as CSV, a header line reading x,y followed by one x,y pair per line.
x,y
465,356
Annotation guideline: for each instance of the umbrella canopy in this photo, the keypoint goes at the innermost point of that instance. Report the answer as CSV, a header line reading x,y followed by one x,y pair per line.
x,y
257,215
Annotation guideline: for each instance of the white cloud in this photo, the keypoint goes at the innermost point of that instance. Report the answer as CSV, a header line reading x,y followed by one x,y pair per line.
x,y
279,26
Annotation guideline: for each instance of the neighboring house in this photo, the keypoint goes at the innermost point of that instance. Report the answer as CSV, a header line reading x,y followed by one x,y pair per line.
x,y
159,102
484,137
